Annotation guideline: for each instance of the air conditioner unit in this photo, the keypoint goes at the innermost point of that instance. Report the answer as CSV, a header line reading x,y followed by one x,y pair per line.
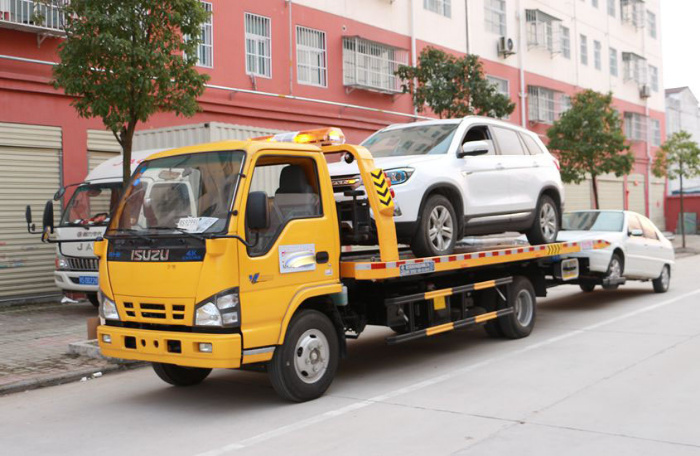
x,y
505,46
644,91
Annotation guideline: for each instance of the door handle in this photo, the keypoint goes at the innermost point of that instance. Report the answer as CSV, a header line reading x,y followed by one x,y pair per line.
x,y
322,257
499,166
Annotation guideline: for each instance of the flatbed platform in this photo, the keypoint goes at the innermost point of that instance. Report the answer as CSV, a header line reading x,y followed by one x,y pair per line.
x,y
365,266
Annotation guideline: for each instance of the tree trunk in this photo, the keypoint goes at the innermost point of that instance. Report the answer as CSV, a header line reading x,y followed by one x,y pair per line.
x,y
681,201
127,139
594,184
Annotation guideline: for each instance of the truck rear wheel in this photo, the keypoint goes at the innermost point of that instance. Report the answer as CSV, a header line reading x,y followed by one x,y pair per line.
x,y
521,297
303,367
180,375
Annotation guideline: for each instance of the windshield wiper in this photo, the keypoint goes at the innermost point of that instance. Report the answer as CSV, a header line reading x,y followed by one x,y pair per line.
x,y
179,230
133,233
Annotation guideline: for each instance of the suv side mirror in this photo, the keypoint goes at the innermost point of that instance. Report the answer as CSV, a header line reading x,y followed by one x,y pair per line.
x,y
636,233
256,213
474,148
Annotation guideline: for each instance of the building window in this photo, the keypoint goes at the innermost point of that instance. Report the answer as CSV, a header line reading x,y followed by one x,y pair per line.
x,y
635,68
584,50
595,3
651,23
372,66
566,42
541,30
611,8
597,58
311,57
502,86
654,78
258,54
443,7
613,62
495,13
635,126
545,105
205,52
655,132
632,12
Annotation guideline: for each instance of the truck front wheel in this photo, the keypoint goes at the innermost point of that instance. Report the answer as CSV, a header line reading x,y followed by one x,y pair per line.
x,y
179,375
303,367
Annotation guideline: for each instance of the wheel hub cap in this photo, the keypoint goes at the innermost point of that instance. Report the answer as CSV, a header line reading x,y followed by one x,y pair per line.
x,y
440,228
548,221
311,356
523,307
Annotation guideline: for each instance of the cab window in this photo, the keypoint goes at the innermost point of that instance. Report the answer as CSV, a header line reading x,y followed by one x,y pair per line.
x,y
291,186
480,133
508,141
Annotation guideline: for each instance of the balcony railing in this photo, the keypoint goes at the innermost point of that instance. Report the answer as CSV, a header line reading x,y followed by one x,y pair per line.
x,y
40,16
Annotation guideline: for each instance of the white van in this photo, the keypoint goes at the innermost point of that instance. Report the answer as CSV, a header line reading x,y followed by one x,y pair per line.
x,y
87,215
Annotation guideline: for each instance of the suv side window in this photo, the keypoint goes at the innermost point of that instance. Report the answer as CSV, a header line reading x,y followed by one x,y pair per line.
x,y
508,141
531,144
480,133
649,230
292,188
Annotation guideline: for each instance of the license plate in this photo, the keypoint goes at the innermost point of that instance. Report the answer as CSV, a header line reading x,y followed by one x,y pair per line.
x,y
87,280
569,269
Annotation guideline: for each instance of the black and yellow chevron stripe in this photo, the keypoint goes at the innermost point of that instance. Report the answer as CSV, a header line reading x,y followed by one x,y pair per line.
x,y
382,188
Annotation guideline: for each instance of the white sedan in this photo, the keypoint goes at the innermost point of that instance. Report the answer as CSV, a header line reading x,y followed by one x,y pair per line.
x,y
638,250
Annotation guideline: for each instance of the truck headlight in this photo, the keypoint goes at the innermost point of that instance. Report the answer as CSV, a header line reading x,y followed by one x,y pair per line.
x,y
399,175
62,263
221,310
108,308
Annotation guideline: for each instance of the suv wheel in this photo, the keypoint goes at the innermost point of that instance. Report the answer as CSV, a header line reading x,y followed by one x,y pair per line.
x,y
545,228
437,232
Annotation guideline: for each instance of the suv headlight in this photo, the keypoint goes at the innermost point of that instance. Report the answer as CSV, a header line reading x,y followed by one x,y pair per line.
x,y
62,263
221,310
399,175
108,308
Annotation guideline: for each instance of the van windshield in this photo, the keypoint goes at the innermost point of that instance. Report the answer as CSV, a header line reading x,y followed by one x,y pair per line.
x,y
184,193
91,205
418,140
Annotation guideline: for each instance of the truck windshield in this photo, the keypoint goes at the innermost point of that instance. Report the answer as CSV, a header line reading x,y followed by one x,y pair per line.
x,y
191,193
593,221
91,205
418,140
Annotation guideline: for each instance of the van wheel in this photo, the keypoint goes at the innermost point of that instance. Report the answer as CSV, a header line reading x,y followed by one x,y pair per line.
x,y
303,367
437,231
545,228
92,297
662,282
521,297
180,375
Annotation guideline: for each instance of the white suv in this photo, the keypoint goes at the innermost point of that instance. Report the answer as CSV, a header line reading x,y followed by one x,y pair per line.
x,y
460,177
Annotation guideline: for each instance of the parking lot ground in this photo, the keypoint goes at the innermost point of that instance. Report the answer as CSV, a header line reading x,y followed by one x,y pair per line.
x,y
34,342
608,372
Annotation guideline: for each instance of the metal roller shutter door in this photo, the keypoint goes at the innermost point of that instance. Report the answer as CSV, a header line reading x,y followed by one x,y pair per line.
x,y
29,174
102,145
657,190
635,187
611,192
577,196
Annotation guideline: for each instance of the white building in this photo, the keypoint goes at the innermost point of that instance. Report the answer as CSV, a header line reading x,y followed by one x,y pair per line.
x,y
682,113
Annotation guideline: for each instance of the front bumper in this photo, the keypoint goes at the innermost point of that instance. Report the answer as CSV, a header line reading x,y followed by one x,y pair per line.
x,y
70,280
158,347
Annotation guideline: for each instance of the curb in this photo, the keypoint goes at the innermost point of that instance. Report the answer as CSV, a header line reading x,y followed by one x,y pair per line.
x,y
66,377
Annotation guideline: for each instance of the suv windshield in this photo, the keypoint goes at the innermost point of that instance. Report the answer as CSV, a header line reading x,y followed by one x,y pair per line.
x,y
191,193
91,205
593,221
419,140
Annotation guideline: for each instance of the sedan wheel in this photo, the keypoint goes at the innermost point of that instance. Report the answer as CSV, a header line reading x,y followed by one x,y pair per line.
x,y
662,282
614,272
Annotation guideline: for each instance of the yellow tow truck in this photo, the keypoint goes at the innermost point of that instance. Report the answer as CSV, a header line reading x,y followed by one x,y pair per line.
x,y
239,258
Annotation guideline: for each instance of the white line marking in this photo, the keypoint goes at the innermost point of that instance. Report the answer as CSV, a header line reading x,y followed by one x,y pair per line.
x,y
431,381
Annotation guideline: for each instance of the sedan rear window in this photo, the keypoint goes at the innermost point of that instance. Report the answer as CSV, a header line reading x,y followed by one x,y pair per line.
x,y
419,140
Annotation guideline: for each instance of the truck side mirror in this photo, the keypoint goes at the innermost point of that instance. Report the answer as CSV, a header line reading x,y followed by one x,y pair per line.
x,y
28,218
47,220
474,148
59,193
256,213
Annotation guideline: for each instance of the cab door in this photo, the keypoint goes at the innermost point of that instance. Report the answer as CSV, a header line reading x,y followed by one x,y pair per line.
x,y
299,248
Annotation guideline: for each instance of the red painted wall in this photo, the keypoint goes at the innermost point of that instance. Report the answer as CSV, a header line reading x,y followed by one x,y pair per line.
x,y
691,203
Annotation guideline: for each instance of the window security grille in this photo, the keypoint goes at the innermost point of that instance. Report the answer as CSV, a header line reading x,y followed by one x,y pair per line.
x,y
443,7
372,66
545,105
258,54
311,57
543,31
635,126
632,12
495,15
205,52
635,68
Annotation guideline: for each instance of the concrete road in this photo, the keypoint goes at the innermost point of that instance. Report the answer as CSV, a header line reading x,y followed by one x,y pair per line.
x,y
603,373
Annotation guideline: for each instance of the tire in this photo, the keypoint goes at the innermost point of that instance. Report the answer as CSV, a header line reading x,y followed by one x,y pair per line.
x,y
545,228
663,282
587,287
439,217
291,370
92,297
179,375
490,301
521,296
615,270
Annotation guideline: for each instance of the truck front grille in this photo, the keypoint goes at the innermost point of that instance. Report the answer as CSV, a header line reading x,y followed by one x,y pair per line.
x,y
82,264
146,311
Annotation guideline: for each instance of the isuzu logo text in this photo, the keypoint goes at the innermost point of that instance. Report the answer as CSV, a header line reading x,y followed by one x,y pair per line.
x,y
150,255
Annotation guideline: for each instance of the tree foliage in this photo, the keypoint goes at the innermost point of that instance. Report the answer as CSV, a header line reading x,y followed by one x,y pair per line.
x,y
452,86
124,60
678,156
588,139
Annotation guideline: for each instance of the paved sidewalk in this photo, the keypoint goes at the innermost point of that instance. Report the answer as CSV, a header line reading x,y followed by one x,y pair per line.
x,y
692,245
34,342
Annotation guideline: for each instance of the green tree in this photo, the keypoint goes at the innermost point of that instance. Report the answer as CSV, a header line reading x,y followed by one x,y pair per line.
x,y
588,139
125,60
678,158
452,86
